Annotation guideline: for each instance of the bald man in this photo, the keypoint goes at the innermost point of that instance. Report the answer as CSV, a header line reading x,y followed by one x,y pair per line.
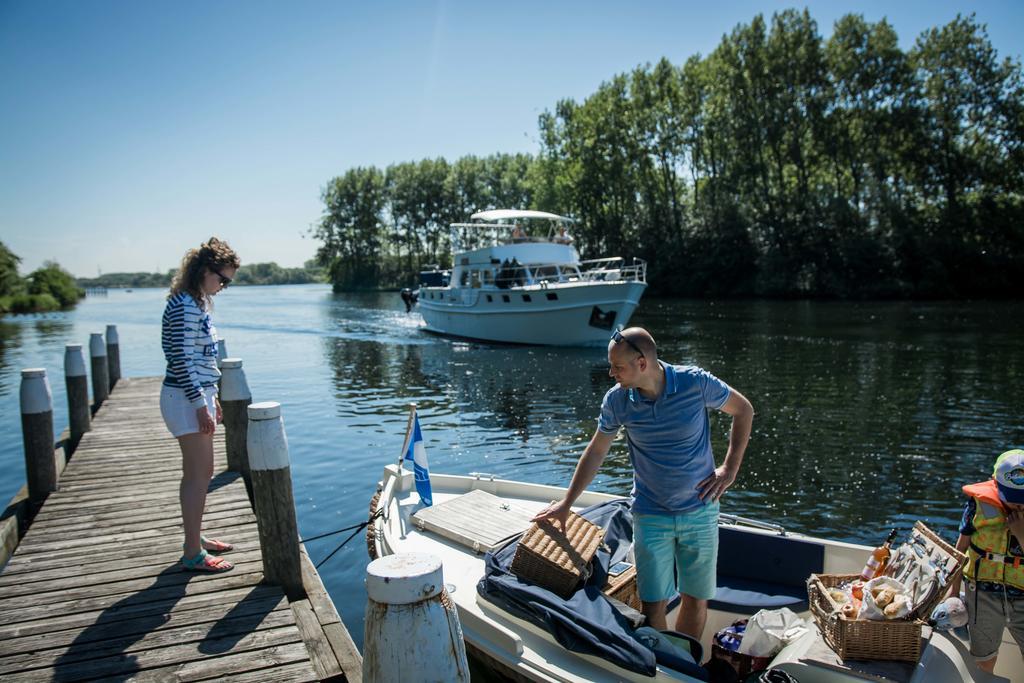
x,y
676,486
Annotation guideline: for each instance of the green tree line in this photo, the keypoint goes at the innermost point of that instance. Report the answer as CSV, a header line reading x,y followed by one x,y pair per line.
x,y
49,288
781,164
249,274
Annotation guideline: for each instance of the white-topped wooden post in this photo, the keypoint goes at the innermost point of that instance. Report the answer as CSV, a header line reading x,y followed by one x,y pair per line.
x,y
222,353
272,498
100,374
113,356
412,629
37,432
235,398
76,382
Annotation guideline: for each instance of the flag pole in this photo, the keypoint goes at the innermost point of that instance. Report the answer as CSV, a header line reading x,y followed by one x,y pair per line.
x,y
408,436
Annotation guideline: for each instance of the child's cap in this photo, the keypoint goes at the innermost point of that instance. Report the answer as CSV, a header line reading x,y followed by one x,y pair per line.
x,y
1009,476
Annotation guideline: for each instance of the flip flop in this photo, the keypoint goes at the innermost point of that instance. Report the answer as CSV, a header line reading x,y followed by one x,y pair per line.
x,y
205,562
215,546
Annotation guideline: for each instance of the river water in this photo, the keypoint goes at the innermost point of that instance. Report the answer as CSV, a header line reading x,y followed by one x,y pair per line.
x,y
869,415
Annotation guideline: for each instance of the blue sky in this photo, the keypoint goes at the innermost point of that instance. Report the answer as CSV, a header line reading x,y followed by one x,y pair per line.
x,y
130,131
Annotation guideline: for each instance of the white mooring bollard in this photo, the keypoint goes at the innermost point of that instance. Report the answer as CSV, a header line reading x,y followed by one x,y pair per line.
x,y
235,398
37,432
272,498
412,628
76,382
100,371
113,356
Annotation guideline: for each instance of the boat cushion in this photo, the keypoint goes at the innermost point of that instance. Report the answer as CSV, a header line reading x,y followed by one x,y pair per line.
x,y
764,571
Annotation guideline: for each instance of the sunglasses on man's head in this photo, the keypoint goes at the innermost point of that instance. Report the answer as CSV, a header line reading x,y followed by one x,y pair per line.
x,y
224,279
617,337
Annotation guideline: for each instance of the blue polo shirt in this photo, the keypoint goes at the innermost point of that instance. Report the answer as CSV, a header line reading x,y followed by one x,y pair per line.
x,y
669,437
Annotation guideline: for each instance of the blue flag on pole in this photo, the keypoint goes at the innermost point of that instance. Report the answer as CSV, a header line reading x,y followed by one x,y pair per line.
x,y
417,454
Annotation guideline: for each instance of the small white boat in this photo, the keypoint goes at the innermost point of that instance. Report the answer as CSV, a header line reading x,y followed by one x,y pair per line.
x,y
522,650
517,278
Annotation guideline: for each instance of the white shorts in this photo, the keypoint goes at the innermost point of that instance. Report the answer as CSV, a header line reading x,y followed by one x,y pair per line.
x,y
179,414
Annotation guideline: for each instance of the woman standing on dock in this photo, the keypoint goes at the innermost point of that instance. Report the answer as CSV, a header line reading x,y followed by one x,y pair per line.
x,y
188,398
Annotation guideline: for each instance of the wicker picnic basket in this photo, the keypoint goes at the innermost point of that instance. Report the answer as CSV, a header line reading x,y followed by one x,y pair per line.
x,y
898,639
554,559
623,588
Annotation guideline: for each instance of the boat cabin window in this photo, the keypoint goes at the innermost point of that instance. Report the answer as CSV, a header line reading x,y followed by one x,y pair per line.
x,y
464,278
504,297
569,272
474,278
526,297
545,274
488,276
552,296
489,298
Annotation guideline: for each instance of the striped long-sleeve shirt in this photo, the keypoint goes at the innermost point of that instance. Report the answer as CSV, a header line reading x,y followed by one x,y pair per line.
x,y
190,347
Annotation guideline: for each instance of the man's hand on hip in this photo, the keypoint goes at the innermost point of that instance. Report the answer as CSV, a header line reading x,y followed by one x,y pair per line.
x,y
712,488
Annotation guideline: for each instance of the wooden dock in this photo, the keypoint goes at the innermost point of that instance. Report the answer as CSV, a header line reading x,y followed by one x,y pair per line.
x,y
94,589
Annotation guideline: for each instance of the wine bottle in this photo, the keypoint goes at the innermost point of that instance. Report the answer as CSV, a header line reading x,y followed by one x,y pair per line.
x,y
878,558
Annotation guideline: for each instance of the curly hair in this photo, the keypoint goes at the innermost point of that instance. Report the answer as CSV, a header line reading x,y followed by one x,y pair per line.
x,y
212,254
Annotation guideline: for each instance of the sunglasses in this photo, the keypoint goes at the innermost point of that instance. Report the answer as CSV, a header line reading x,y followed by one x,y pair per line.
x,y
617,337
224,280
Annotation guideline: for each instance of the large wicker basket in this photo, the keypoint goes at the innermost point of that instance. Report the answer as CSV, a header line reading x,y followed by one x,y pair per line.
x,y
554,559
860,638
623,588
866,639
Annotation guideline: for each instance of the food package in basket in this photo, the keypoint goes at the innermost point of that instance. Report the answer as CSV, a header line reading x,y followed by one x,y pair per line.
x,y
885,598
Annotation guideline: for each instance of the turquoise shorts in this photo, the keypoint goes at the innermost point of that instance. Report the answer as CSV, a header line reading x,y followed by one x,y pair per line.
x,y
677,553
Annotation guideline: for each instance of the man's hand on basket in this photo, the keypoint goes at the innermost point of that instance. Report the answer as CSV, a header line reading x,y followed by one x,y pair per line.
x,y
557,513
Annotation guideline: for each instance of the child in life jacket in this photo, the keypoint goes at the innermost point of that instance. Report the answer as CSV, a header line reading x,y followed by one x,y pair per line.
x,y
992,535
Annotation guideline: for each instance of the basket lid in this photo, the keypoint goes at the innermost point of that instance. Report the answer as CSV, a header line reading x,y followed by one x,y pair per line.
x,y
570,549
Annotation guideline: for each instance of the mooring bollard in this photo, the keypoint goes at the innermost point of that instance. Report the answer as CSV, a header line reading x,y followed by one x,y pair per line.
x,y
113,356
37,431
77,384
100,375
412,629
222,353
235,398
272,498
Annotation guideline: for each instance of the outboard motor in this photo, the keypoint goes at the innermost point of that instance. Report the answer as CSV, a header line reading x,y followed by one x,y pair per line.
x,y
409,297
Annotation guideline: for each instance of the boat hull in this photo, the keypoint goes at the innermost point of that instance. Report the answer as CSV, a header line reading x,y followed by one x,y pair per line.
x,y
557,315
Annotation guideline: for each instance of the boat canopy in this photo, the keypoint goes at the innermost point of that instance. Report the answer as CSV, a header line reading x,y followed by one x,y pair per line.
x,y
513,214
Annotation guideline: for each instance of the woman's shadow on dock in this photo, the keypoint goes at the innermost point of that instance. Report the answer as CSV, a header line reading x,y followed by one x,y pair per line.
x,y
147,621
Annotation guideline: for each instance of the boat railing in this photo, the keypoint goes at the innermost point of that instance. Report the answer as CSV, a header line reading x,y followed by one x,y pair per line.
x,y
736,520
614,269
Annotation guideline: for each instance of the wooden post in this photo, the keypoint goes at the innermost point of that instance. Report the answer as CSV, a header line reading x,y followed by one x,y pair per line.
x,y
272,498
113,355
222,353
37,431
235,398
77,384
410,624
100,375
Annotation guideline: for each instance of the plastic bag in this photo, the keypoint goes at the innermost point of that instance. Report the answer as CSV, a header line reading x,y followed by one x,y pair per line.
x,y
885,598
769,631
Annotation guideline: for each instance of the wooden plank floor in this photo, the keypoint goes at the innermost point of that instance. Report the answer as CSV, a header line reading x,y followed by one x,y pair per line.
x,y
94,589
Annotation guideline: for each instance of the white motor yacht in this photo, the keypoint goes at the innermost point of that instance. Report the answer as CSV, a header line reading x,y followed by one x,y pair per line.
x,y
517,278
